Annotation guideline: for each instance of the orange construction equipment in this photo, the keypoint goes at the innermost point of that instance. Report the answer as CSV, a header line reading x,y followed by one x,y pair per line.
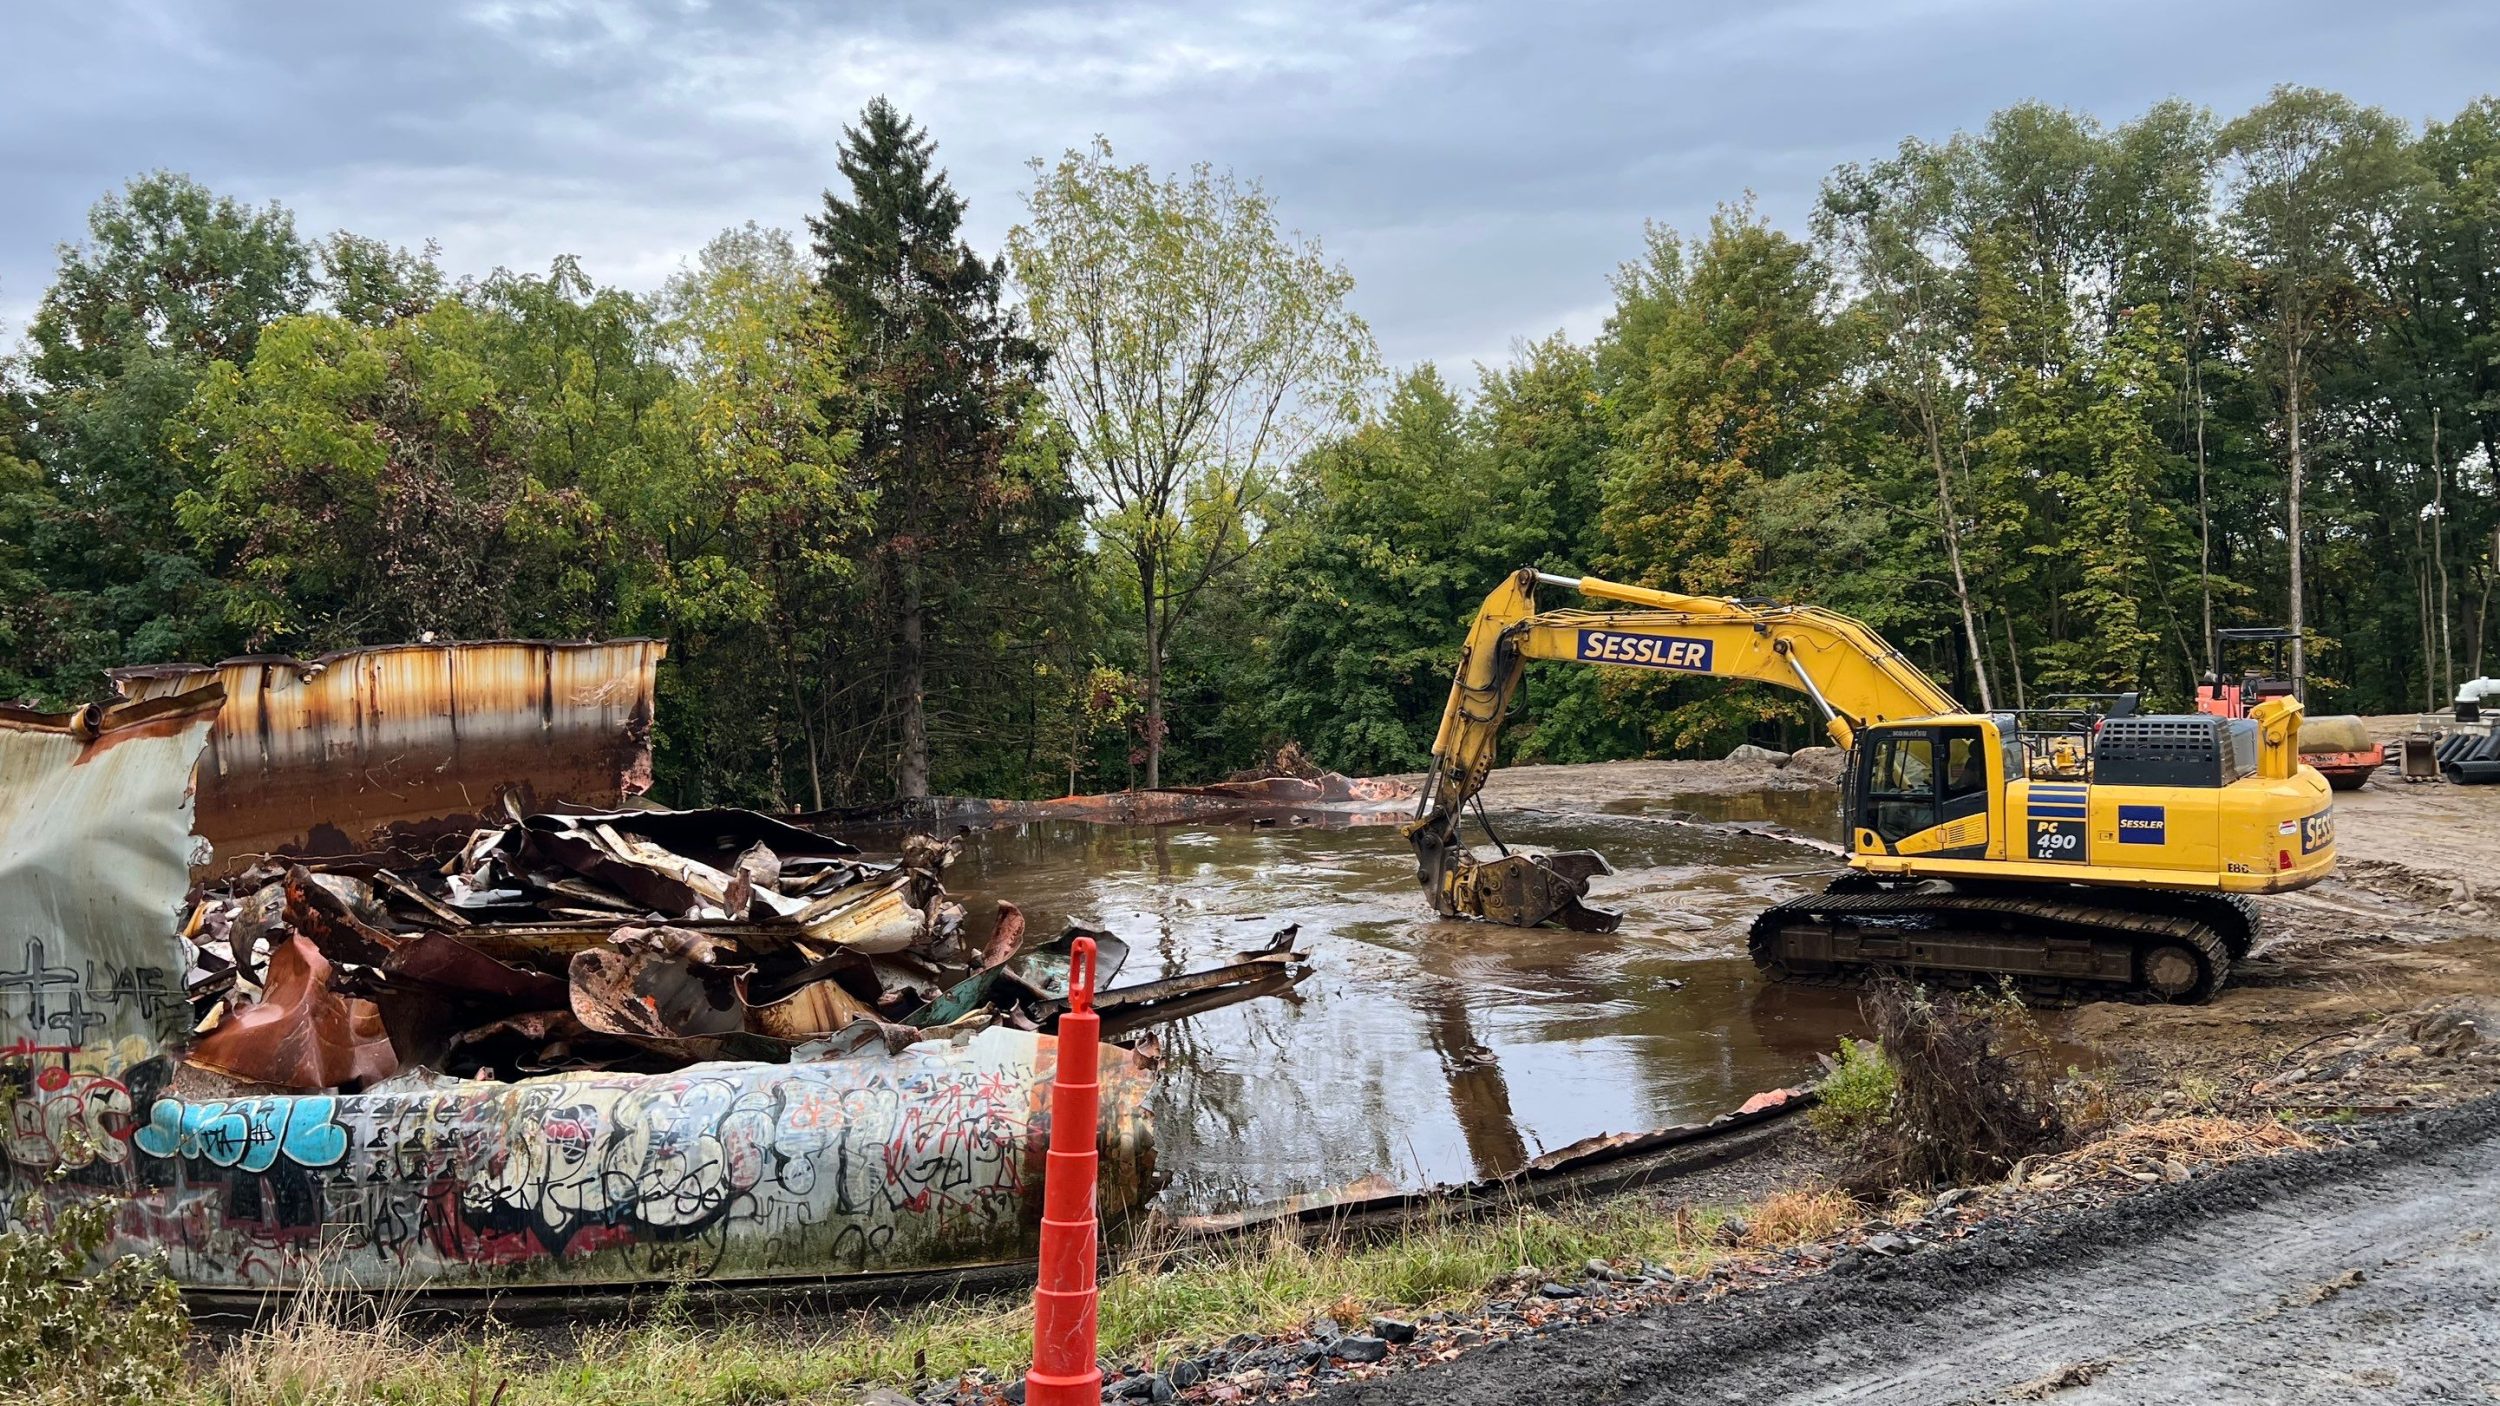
x,y
2335,745
1065,1298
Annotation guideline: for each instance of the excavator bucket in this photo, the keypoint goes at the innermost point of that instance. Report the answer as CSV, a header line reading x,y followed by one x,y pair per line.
x,y
1527,890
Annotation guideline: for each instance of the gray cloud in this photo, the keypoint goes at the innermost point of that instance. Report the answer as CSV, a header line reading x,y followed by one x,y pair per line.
x,y
1480,168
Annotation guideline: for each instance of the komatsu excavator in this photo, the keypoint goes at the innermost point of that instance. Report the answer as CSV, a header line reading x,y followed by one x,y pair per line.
x,y
2081,855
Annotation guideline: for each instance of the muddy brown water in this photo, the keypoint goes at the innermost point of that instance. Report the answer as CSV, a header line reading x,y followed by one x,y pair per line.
x,y
1422,1051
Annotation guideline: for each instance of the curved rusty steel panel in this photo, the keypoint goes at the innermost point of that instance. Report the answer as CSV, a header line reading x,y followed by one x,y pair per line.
x,y
95,844
409,741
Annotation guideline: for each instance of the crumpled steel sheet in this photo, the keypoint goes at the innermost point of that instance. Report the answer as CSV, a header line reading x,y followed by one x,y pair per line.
x,y
397,744
896,1159
300,1035
95,844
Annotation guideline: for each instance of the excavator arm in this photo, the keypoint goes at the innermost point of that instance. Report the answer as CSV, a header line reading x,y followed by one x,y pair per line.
x,y
1853,676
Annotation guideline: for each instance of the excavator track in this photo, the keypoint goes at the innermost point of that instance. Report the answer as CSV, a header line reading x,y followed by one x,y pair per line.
x,y
2059,946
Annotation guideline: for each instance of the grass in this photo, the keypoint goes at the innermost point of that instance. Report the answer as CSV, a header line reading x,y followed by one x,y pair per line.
x,y
1162,1303
2197,1092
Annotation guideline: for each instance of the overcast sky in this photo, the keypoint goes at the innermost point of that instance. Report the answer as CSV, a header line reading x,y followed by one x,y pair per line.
x,y
1480,168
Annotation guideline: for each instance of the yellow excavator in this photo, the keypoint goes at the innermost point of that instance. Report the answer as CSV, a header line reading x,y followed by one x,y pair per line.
x,y
2082,855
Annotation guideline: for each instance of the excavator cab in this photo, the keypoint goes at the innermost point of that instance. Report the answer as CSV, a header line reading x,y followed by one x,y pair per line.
x,y
1928,787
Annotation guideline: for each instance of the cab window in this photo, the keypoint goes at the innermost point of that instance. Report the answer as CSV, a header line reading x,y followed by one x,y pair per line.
x,y
1904,765
1917,779
1901,784
1965,765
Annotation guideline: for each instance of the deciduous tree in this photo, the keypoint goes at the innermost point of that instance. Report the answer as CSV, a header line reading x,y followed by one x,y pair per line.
x,y
1197,350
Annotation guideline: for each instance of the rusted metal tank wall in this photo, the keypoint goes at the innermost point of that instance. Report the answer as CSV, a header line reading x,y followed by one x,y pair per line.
x,y
315,757
930,1159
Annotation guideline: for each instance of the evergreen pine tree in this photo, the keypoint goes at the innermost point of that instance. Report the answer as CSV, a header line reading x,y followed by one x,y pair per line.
x,y
939,379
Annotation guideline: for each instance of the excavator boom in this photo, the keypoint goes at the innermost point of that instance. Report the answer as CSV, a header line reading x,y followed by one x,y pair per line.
x,y
1853,676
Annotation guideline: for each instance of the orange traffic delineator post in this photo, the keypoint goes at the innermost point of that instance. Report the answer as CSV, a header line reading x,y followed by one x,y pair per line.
x,y
1065,1297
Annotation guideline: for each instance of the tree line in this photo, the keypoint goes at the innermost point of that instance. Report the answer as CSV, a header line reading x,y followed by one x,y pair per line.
x,y
1132,500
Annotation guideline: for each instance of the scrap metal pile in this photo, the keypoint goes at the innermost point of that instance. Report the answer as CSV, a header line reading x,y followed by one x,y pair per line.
x,y
633,940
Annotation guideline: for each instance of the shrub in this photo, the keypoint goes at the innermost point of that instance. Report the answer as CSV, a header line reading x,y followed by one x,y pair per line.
x,y
114,1336
1971,1094
1854,1099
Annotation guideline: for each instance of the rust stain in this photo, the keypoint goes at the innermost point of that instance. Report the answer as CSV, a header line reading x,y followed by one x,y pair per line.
x,y
401,744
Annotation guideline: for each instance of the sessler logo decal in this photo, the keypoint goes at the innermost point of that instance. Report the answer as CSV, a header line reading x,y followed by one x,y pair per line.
x,y
2317,832
2143,825
1645,651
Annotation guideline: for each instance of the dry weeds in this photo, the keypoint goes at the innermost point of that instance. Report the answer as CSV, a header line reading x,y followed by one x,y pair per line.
x,y
1815,1211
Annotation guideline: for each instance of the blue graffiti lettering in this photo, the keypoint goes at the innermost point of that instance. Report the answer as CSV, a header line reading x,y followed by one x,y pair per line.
x,y
250,1134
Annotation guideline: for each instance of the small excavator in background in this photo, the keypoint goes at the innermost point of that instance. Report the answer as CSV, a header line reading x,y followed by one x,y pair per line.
x,y
2083,855
2338,744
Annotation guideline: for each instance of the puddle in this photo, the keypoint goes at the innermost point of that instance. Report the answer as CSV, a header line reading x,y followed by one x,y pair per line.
x,y
1424,1051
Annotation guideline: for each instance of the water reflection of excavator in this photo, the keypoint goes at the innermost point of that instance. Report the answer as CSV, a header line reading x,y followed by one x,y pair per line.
x,y
2081,854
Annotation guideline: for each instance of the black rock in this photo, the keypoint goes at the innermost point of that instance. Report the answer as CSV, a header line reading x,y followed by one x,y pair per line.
x,y
1466,1337
1558,1291
1159,1389
1847,1262
1359,1347
1015,1392
1326,1328
1886,1244
1393,1330
1311,1351
1185,1373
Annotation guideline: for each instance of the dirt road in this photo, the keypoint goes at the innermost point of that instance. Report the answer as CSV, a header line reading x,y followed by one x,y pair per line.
x,y
2357,1274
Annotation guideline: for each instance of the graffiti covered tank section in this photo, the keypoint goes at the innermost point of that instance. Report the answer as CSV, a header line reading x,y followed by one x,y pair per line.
x,y
879,1162
930,1158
